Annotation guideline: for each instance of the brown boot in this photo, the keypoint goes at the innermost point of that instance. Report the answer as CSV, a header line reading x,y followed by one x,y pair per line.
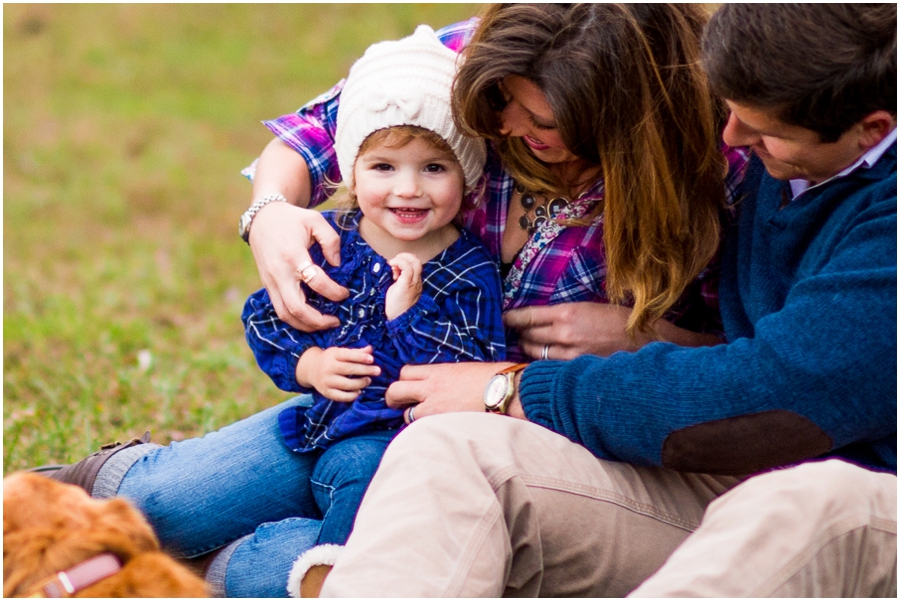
x,y
84,473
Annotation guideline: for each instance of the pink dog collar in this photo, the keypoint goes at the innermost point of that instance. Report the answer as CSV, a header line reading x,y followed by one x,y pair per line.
x,y
83,575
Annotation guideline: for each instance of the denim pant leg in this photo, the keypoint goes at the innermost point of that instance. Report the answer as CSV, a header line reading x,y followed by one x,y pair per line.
x,y
340,480
203,493
258,565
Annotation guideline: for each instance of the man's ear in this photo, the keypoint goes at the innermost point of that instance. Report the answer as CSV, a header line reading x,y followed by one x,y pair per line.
x,y
874,127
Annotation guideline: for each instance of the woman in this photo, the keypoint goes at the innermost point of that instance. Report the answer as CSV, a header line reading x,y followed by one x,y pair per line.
x,y
652,139
639,156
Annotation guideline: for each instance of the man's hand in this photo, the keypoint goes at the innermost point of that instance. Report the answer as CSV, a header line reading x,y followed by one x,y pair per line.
x,y
280,237
442,388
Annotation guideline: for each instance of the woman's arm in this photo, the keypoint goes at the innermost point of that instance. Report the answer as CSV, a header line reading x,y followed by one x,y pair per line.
x,y
587,328
297,164
282,170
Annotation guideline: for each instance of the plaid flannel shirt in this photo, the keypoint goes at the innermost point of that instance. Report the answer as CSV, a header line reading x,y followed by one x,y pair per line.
x,y
457,318
558,263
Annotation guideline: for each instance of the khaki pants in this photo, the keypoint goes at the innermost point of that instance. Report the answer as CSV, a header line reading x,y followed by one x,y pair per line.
x,y
478,505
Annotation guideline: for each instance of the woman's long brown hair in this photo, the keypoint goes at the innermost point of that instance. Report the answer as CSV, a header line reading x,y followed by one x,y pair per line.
x,y
628,94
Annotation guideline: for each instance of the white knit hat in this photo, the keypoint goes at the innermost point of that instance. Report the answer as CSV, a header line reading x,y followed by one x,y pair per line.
x,y
404,82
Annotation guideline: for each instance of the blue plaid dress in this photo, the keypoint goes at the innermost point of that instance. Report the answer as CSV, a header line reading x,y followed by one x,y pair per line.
x,y
457,318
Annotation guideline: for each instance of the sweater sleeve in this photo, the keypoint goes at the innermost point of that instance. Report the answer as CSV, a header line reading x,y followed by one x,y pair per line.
x,y
814,376
276,346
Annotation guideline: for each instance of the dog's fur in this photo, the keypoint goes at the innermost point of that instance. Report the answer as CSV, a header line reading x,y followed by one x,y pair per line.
x,y
49,527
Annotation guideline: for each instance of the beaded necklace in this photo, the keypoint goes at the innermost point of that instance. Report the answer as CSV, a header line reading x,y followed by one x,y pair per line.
x,y
542,212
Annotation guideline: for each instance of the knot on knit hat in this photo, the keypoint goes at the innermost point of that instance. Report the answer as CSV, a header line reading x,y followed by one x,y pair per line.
x,y
409,103
403,82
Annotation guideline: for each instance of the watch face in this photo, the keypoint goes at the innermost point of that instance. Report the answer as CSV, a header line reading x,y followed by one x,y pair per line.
x,y
495,391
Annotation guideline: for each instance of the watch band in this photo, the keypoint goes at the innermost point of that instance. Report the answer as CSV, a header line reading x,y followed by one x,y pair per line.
x,y
512,369
249,214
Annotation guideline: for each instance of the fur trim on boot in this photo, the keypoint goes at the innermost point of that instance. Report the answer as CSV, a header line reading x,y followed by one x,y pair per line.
x,y
319,555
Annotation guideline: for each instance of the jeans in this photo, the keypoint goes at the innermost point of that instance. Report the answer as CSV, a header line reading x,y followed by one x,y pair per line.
x,y
243,489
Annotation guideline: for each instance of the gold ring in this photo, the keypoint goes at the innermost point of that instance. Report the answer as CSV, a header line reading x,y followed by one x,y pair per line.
x,y
307,271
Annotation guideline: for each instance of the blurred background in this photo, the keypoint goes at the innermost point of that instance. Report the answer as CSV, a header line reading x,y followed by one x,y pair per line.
x,y
125,130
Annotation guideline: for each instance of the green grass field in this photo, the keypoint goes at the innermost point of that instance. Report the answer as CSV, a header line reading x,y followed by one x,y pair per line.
x,y
125,128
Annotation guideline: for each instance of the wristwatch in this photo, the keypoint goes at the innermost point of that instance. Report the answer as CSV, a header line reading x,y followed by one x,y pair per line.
x,y
247,217
501,388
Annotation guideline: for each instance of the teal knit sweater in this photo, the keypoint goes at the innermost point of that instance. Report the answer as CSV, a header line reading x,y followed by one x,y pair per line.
x,y
809,303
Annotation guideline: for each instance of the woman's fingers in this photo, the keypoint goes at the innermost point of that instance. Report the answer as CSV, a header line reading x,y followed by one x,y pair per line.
x,y
526,318
572,329
279,236
319,231
291,306
329,241
544,350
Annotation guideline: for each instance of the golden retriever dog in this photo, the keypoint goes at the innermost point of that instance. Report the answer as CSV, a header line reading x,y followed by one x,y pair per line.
x,y
57,541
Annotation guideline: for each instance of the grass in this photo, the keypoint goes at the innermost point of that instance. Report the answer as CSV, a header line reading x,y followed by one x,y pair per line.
x,y
125,128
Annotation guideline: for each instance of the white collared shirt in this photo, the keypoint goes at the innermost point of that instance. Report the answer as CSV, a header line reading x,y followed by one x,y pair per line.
x,y
799,186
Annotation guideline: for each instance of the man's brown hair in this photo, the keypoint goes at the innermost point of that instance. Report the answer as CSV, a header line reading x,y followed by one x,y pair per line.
x,y
820,66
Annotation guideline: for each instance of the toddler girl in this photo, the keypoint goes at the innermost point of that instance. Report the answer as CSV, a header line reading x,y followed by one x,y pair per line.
x,y
422,290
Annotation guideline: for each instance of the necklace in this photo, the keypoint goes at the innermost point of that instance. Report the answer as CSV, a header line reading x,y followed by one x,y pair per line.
x,y
546,210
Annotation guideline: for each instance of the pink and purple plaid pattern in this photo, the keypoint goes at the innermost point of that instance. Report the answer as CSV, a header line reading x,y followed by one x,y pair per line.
x,y
558,264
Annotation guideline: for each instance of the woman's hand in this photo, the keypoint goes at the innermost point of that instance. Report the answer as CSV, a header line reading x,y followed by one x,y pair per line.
x,y
407,286
280,237
339,374
281,234
569,330
442,388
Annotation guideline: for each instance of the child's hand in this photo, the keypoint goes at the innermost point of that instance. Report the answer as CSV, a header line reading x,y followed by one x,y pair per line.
x,y
338,373
407,287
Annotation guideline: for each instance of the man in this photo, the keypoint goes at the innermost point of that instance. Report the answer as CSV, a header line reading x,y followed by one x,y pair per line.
x,y
764,466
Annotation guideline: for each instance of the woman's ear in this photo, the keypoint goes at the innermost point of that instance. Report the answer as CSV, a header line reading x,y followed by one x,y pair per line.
x,y
874,127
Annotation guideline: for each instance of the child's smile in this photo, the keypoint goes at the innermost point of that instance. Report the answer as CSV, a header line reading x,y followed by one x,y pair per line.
x,y
409,196
409,215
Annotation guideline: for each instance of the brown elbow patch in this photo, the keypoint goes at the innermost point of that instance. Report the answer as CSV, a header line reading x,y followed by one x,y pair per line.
x,y
744,444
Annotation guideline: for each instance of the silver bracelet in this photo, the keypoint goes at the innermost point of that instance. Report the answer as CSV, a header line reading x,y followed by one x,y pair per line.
x,y
247,217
